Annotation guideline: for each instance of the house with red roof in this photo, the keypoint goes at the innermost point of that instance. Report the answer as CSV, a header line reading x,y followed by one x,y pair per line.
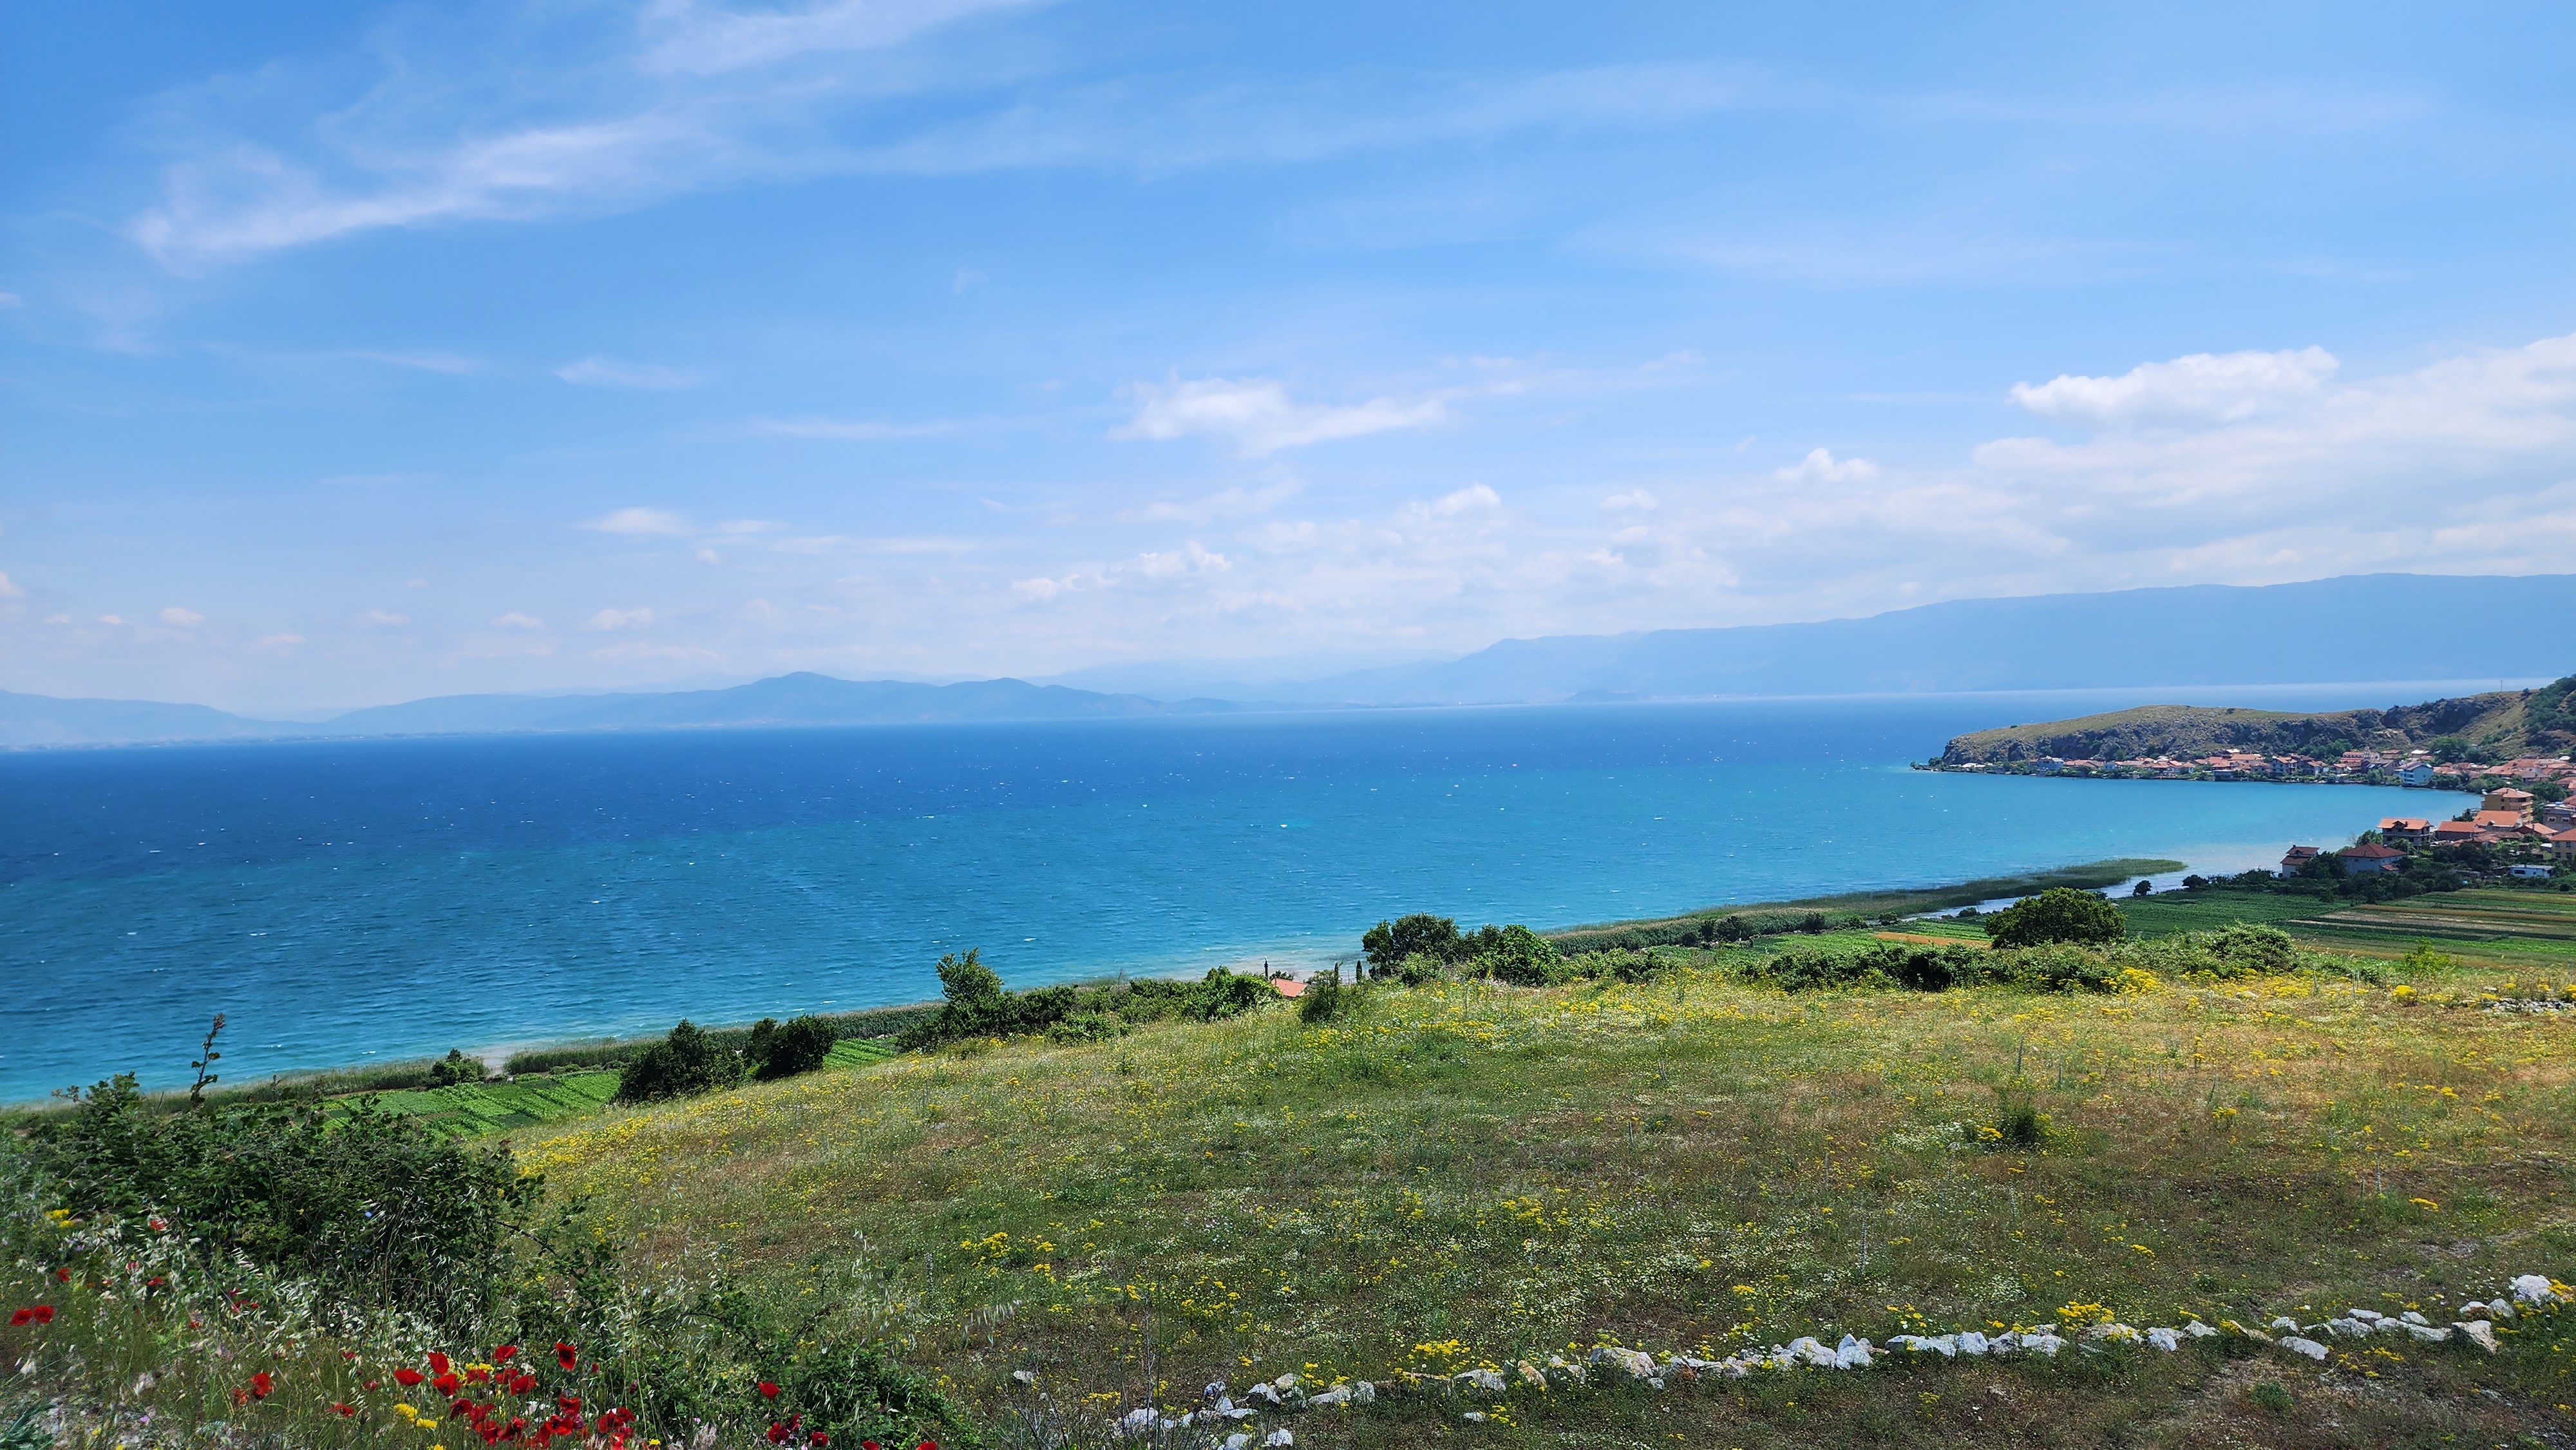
x,y
2370,860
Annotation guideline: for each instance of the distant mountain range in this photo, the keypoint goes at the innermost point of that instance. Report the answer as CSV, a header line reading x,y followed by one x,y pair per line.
x,y
2356,629
799,699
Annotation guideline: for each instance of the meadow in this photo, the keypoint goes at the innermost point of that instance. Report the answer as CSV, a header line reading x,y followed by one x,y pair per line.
x,y
1463,1175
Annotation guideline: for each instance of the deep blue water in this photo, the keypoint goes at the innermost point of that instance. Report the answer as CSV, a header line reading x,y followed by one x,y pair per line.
x,y
390,898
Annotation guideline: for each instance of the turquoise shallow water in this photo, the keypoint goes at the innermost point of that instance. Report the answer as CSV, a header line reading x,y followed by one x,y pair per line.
x,y
348,900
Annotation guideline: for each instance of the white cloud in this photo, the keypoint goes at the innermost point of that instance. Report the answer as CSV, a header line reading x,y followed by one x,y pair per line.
x,y
1635,500
608,619
383,618
179,618
709,556
707,39
58,619
1225,503
1821,466
111,619
1260,417
601,372
279,641
639,521
10,590
515,620
2199,389
855,430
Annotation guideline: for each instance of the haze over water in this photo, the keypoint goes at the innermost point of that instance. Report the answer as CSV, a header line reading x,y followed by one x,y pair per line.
x,y
363,900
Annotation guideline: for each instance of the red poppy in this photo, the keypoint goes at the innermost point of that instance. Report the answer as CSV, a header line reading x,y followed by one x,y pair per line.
x,y
521,1384
63,1274
157,1225
345,1410
348,1354
375,1384
502,1355
44,1314
260,1385
408,1377
768,1391
22,1318
777,1433
870,1445
240,1396
564,1355
437,1362
819,1438
445,1384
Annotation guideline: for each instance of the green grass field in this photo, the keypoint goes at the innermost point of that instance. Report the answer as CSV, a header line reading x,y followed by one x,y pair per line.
x,y
2528,929
1464,1174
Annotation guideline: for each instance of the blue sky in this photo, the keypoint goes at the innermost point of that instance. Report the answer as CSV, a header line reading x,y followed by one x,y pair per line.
x,y
356,353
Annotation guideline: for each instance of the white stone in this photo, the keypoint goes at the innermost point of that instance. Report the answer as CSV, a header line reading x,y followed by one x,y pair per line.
x,y
2366,1316
1279,1436
2411,1317
1811,1350
2347,1328
1945,1345
1337,1395
2427,1334
2198,1330
2534,1289
1137,1422
1486,1380
2308,1347
1024,1377
2116,1332
2047,1344
2284,1322
1363,1393
1237,1442
2502,1311
1474,1417
2164,1339
1973,1342
1852,1353
2482,1334
1264,1393
1627,1361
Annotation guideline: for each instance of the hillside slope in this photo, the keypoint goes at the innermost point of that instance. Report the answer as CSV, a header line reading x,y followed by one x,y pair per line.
x,y
2497,726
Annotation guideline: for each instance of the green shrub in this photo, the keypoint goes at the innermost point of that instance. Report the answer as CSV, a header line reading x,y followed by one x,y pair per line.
x,y
455,1070
1388,945
1515,954
1919,967
799,1046
2059,914
1086,1027
1323,999
365,1201
685,1062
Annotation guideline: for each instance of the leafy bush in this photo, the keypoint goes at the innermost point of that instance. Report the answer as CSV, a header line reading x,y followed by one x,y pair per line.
x,y
1918,967
455,1069
1515,954
1323,999
1387,945
365,1201
685,1062
800,1046
978,1007
2059,914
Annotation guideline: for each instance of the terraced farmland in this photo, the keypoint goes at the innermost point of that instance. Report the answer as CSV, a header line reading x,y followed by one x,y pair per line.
x,y
2507,928
533,1098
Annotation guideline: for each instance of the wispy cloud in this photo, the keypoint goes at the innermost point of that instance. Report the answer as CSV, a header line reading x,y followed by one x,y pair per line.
x,y
855,430
640,521
2201,388
515,620
614,619
601,372
1260,417
9,589
178,617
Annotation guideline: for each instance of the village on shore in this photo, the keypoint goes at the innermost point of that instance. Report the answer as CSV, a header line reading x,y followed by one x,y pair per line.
x,y
2519,835
2353,767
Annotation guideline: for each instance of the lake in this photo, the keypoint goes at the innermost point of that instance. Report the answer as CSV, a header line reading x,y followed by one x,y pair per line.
x,y
359,900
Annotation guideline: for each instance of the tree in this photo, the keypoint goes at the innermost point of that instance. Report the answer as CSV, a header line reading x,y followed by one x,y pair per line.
x,y
799,1046
1517,955
455,1069
1388,943
2448,748
687,1061
968,982
2143,888
2060,913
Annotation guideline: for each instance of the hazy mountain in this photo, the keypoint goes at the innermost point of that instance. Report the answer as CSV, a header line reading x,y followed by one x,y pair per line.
x,y
2361,628
44,720
799,699
2353,630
